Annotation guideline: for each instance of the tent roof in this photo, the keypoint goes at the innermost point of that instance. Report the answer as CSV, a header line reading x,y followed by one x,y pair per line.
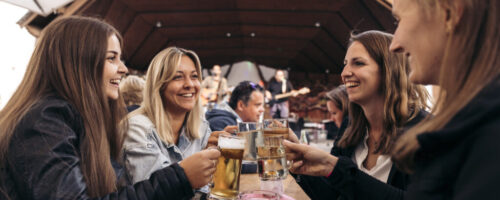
x,y
296,34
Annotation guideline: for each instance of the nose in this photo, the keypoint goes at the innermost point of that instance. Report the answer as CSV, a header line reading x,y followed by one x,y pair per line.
x,y
396,46
122,69
188,83
346,72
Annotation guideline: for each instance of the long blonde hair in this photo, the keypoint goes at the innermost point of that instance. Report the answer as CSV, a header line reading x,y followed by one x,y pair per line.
x,y
68,61
161,71
470,63
402,99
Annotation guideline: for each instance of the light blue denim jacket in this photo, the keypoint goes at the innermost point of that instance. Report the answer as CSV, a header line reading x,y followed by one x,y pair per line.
x,y
144,152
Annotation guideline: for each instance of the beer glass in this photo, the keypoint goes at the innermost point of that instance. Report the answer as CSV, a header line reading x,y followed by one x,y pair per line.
x,y
275,127
249,130
271,158
226,182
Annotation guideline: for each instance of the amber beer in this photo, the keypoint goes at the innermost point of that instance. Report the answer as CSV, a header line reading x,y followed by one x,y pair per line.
x,y
281,131
226,182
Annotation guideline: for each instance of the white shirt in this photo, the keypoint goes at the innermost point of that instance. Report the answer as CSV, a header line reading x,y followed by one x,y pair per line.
x,y
381,169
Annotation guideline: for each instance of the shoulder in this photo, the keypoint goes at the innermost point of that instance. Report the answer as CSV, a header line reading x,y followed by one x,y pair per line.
x,y
51,113
140,120
140,126
205,128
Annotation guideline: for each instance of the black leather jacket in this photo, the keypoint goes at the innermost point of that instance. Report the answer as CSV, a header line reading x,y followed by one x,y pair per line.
x,y
43,160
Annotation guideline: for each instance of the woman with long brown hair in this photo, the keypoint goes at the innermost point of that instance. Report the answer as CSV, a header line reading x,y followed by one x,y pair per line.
x,y
382,102
454,44
61,133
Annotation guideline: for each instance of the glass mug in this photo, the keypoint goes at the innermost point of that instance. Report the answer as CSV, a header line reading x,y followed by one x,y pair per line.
x,y
249,131
275,127
226,181
271,158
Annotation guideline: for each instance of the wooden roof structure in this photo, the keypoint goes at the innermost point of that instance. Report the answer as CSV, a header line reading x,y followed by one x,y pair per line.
x,y
308,36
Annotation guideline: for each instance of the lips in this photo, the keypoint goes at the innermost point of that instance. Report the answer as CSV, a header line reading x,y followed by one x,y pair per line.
x,y
115,81
351,84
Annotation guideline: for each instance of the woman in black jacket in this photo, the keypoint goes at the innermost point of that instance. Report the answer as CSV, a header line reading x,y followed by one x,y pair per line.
x,y
456,45
382,103
62,131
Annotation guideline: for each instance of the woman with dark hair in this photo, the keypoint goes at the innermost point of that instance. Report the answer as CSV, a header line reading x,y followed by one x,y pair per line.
x,y
454,44
337,105
382,103
61,133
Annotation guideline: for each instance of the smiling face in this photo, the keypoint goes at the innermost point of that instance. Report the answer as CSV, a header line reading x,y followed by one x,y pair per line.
x,y
422,37
114,69
181,93
361,75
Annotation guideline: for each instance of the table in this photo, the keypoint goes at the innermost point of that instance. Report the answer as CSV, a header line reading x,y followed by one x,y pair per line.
x,y
249,182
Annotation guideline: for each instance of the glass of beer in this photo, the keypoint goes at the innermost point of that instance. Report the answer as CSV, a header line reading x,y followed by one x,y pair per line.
x,y
271,158
249,130
275,127
226,182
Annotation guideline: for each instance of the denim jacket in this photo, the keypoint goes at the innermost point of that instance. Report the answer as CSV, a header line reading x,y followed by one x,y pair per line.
x,y
144,152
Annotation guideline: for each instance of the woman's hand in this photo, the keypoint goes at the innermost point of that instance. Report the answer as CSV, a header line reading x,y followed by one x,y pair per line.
x,y
200,167
309,160
292,137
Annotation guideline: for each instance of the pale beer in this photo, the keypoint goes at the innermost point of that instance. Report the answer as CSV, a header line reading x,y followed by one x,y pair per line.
x,y
226,180
271,158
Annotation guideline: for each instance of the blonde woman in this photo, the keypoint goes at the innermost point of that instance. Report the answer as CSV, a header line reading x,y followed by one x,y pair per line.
x,y
456,45
168,127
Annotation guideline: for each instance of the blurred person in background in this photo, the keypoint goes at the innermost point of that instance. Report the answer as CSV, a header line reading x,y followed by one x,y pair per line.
x,y
131,89
246,104
213,88
337,105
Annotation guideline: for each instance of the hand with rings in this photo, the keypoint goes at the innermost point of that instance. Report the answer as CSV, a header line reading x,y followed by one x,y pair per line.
x,y
200,167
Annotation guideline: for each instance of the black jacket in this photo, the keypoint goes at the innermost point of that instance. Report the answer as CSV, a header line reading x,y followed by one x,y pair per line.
x,y
461,160
43,160
348,182
274,88
219,119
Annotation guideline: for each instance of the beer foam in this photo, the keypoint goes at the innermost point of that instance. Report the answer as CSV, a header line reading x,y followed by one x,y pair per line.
x,y
231,143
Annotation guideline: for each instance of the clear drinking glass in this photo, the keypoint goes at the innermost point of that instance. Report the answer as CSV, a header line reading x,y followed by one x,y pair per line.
x,y
226,181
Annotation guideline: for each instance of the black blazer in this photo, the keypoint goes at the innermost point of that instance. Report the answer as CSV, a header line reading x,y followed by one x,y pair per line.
x,y
461,161
43,160
348,182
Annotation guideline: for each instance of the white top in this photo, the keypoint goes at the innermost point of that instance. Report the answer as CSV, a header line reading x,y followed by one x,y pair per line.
x,y
381,169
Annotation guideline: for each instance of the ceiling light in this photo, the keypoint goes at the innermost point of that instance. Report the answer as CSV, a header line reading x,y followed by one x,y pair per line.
x,y
317,24
252,34
158,24
228,34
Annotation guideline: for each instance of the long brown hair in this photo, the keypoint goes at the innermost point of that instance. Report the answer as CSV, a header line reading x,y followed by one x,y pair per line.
x,y
160,72
470,63
402,99
68,61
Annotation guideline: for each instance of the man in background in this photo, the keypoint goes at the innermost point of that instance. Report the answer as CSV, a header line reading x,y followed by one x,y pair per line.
x,y
213,88
279,85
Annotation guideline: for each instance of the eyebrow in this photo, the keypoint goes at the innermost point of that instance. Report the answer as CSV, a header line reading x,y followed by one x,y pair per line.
x,y
113,52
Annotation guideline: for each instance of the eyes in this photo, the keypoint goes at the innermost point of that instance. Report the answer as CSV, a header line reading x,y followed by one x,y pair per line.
x,y
180,76
356,63
113,58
